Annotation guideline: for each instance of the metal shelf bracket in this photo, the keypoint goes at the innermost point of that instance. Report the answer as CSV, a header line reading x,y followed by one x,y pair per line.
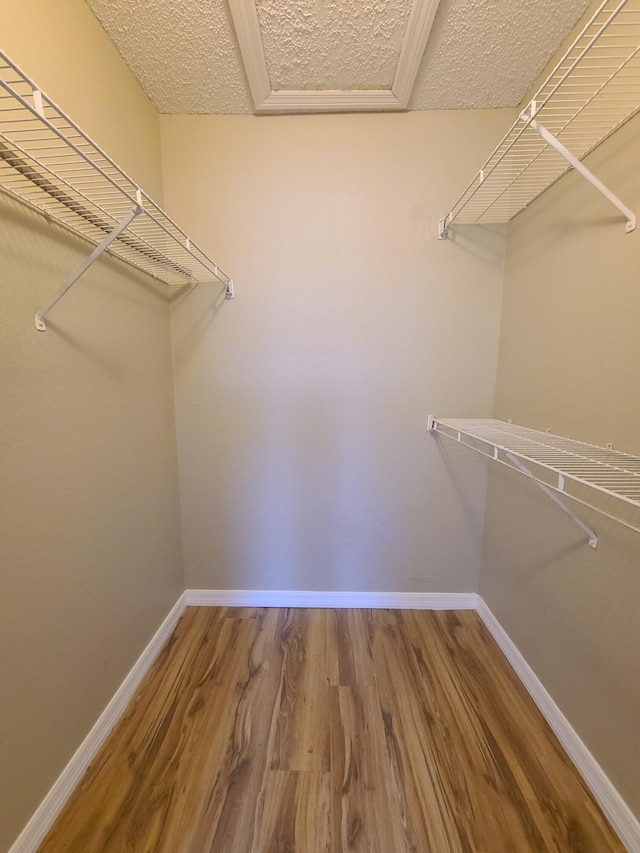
x,y
455,430
108,240
48,163
593,539
528,116
592,91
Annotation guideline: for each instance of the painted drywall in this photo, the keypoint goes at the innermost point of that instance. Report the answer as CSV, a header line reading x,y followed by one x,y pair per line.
x,y
302,404
570,361
90,553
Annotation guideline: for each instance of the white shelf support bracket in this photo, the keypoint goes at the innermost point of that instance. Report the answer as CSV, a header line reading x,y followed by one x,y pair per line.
x,y
578,165
228,289
497,450
593,539
443,227
37,102
108,240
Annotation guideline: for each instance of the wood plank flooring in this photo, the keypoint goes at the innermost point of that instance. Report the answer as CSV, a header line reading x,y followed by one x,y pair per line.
x,y
330,731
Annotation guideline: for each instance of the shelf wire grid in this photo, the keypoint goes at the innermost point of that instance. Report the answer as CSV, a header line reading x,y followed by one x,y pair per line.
x,y
592,91
51,165
597,477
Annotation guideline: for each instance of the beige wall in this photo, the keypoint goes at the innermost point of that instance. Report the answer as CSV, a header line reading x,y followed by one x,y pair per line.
x,y
302,404
570,360
90,558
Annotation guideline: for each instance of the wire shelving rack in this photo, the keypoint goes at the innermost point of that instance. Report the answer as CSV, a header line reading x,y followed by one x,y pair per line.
x,y
51,165
600,478
592,91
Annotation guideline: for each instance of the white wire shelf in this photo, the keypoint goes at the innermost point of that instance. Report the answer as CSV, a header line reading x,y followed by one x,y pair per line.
x,y
600,478
51,165
592,91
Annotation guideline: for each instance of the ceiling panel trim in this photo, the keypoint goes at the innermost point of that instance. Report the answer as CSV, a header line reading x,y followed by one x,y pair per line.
x,y
269,100
329,100
415,40
245,21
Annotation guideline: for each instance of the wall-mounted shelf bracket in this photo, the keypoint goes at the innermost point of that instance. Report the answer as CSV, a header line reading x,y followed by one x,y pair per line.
x,y
592,91
593,539
528,116
108,240
443,227
599,478
50,164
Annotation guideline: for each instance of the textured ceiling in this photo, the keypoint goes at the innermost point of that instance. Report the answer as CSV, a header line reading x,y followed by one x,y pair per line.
x,y
488,53
312,44
184,54
481,53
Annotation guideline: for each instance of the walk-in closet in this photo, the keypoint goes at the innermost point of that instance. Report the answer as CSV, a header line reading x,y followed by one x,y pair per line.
x,y
319,426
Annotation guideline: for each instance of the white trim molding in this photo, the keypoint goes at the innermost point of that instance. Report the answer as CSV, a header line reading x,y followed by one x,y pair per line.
x,y
268,99
413,47
324,598
245,22
40,823
614,807
329,101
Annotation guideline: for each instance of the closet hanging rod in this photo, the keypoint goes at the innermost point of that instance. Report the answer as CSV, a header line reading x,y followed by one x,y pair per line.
x,y
48,163
592,91
598,478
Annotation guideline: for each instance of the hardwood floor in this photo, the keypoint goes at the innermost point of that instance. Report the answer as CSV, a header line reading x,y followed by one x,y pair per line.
x,y
378,731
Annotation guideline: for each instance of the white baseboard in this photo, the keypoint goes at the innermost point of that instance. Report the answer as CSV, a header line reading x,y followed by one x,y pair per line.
x,y
614,807
46,813
616,810
323,598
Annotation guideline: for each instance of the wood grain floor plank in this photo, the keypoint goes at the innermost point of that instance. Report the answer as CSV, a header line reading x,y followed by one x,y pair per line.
x,y
478,772
135,751
237,781
319,731
418,730
355,662
302,738
533,771
296,813
367,786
